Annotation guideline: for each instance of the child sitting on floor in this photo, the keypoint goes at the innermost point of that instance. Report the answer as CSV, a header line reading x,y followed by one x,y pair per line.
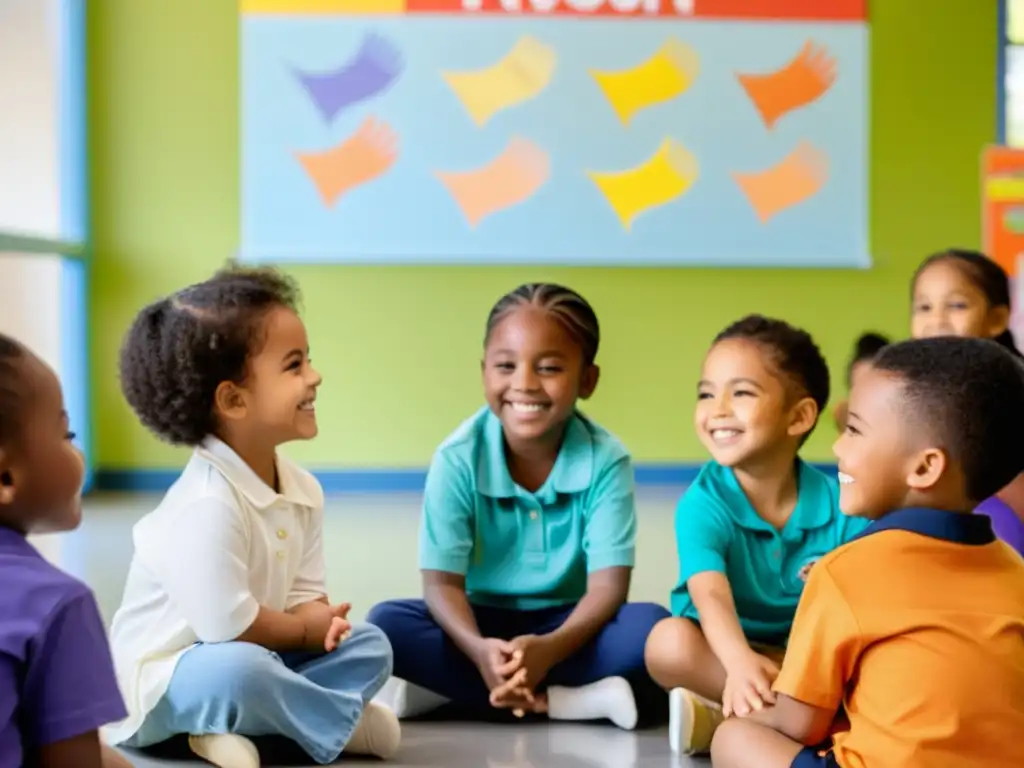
x,y
916,628
527,541
225,631
57,683
748,529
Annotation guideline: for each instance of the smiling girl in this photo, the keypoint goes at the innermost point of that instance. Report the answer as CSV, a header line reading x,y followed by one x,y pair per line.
x,y
527,541
748,529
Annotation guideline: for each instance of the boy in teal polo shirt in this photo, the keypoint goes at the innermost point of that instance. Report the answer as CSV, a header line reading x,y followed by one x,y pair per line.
x,y
748,530
527,542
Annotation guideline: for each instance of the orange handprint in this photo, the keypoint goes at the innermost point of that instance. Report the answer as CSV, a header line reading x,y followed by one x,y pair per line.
x,y
804,79
360,158
510,178
799,176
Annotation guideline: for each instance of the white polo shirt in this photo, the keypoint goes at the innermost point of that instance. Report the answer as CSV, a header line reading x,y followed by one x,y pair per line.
x,y
221,544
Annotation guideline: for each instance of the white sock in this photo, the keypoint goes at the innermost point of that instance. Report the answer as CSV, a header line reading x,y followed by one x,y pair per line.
x,y
611,698
226,750
377,733
408,700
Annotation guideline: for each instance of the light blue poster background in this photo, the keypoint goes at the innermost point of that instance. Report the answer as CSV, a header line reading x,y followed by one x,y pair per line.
x,y
407,216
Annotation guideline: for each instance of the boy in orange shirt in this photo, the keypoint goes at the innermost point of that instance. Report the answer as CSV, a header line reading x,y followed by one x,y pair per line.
x,y
915,629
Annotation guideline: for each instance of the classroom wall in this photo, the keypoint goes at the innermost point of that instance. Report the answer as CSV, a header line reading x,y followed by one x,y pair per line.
x,y
399,347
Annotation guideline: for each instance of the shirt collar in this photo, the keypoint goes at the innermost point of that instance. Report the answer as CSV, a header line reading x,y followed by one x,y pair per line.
x,y
955,527
572,472
812,510
218,453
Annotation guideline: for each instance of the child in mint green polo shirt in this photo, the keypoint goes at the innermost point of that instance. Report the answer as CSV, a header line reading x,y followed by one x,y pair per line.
x,y
748,530
527,542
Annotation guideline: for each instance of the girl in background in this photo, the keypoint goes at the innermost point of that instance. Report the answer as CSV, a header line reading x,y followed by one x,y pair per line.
x,y
527,541
964,293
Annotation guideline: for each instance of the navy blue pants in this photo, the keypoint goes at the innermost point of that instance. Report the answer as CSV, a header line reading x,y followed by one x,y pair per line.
x,y
808,757
425,656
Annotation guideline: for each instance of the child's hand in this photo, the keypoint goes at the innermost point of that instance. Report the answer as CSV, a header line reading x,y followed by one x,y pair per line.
x,y
748,685
535,657
325,625
514,694
496,659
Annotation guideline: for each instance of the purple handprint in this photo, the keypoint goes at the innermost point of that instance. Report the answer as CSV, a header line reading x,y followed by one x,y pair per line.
x,y
374,68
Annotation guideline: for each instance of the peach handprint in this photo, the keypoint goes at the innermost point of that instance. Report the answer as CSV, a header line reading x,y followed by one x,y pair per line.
x,y
799,176
512,177
362,157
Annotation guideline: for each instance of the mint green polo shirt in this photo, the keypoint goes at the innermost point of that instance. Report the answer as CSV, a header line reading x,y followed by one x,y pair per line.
x,y
718,530
527,550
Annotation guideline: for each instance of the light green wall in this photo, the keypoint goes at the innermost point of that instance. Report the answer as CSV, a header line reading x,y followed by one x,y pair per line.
x,y
399,347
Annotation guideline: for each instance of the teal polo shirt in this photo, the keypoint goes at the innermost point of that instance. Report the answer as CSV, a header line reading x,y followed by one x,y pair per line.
x,y
718,530
527,550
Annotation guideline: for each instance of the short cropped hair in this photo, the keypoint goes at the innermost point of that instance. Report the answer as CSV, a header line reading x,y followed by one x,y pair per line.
x,y
969,394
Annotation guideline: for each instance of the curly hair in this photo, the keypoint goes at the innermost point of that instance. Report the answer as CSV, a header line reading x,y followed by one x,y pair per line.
x,y
793,353
969,394
181,348
12,391
568,308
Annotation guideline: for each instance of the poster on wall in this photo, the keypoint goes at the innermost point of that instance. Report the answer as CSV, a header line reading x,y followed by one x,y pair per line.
x,y
1002,219
728,133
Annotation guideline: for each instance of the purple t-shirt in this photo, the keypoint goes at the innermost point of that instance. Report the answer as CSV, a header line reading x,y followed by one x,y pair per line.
x,y
56,674
1005,523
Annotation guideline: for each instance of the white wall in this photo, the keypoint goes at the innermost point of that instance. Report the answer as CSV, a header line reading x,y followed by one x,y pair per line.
x,y
29,135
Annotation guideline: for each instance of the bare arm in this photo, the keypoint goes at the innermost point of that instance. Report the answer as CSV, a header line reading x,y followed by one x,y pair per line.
x,y
276,631
712,596
607,590
445,595
796,720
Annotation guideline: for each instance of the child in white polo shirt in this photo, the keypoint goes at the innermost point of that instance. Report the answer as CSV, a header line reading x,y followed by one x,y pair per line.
x,y
225,631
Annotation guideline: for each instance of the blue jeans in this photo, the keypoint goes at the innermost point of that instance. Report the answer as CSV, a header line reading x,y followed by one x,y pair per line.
x,y
313,699
427,657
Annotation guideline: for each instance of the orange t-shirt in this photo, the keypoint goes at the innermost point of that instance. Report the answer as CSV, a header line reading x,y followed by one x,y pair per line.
x,y
917,629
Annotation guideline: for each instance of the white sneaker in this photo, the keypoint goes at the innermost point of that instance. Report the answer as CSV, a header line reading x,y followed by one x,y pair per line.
x,y
226,750
692,721
377,733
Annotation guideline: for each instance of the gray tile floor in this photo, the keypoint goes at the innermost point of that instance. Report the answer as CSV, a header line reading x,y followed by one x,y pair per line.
x,y
371,552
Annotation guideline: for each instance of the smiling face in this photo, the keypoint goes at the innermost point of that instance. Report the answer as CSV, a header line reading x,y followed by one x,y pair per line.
x,y
533,373
42,472
744,409
947,303
277,398
875,452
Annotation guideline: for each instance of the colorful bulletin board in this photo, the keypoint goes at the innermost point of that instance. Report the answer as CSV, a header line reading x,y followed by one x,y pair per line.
x,y
1002,218
598,132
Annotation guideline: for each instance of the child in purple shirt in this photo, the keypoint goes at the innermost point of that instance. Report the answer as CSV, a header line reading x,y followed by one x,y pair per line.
x,y
57,683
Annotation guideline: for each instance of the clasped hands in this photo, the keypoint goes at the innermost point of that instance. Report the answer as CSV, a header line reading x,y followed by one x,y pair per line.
x,y
512,669
325,626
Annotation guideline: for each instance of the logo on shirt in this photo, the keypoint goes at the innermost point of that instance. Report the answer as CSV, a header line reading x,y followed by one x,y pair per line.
x,y
805,570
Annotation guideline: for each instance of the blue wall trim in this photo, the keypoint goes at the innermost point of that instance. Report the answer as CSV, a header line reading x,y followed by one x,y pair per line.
x,y
379,480
74,224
